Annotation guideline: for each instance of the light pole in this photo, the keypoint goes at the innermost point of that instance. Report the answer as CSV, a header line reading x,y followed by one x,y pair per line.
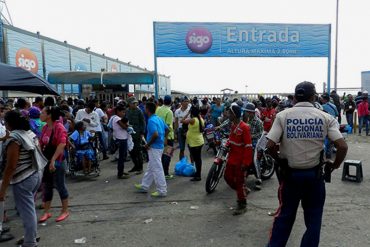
x,y
246,87
336,50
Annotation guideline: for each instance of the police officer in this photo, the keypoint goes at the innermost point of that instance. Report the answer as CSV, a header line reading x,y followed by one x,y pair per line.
x,y
301,131
137,121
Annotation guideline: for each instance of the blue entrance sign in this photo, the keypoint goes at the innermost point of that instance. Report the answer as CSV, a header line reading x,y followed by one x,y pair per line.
x,y
178,39
208,39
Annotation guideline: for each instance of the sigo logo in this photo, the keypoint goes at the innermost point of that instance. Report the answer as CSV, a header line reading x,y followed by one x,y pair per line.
x,y
199,40
26,59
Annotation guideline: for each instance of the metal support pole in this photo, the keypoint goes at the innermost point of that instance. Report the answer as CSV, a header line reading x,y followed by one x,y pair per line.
x,y
155,78
329,61
336,50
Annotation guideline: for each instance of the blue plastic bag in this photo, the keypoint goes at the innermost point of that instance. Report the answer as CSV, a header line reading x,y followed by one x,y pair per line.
x,y
179,167
183,168
189,170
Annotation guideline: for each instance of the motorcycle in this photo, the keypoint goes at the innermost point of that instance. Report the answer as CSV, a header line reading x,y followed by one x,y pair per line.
x,y
264,163
263,167
212,137
218,166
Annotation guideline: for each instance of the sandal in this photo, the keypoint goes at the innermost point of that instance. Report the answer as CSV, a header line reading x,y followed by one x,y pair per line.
x,y
45,217
62,217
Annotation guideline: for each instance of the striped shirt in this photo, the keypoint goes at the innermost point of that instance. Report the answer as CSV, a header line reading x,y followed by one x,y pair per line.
x,y
24,165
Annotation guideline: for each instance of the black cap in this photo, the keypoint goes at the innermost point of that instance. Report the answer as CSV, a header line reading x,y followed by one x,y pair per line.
x,y
236,110
305,90
326,96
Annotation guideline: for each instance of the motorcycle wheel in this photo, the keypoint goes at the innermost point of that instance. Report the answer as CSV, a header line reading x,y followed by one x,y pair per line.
x,y
214,176
267,166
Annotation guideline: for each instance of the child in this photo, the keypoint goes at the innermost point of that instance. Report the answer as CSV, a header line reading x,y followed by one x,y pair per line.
x,y
81,142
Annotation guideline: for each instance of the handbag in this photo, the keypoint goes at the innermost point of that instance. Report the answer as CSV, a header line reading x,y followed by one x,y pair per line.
x,y
31,143
49,149
38,159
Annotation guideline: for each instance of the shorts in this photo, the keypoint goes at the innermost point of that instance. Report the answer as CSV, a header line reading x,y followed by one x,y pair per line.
x,y
88,153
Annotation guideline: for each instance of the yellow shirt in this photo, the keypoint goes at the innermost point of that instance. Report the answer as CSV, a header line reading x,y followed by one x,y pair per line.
x,y
194,137
166,114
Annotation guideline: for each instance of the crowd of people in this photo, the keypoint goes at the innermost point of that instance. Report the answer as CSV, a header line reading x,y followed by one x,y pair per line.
x,y
148,130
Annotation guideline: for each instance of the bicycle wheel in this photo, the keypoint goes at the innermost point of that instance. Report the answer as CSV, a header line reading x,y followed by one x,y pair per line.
x,y
214,176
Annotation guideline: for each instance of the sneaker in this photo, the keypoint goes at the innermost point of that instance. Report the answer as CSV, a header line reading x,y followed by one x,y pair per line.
x,y
124,176
158,194
44,217
132,170
21,240
5,229
4,237
169,177
241,208
140,188
196,179
139,172
105,157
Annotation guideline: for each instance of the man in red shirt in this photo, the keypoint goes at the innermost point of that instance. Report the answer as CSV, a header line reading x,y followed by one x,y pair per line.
x,y
268,115
240,157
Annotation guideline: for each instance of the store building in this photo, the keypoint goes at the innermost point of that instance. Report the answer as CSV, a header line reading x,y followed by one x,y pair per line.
x,y
43,55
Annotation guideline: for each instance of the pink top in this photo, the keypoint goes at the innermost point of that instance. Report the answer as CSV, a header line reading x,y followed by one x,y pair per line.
x,y
363,109
60,136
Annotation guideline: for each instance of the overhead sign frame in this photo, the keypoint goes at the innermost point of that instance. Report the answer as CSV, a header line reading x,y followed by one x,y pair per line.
x,y
213,39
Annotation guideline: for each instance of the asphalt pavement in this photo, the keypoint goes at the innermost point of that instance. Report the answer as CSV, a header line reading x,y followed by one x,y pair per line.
x,y
108,212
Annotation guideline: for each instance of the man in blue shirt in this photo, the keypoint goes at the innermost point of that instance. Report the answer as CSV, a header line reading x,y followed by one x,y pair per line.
x,y
157,132
329,107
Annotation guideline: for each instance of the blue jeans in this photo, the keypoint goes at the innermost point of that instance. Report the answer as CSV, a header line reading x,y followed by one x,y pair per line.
x,y
102,142
122,149
363,120
181,137
349,117
309,188
57,178
24,197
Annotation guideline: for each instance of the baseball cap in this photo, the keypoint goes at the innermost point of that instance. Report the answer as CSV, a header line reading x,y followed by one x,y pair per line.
x,y
365,92
325,96
132,100
167,100
250,107
240,103
304,90
236,110
116,98
184,98
34,112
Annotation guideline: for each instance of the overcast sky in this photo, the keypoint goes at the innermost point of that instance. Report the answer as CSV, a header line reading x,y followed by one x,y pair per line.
x,y
123,29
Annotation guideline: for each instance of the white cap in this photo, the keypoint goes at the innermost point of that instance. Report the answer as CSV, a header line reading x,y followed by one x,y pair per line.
x,y
365,92
117,98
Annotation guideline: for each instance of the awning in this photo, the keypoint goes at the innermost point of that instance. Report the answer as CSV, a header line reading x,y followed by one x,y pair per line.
x,y
105,78
18,79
